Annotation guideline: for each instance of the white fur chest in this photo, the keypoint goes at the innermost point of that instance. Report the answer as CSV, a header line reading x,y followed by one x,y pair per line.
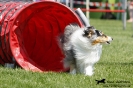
x,y
84,51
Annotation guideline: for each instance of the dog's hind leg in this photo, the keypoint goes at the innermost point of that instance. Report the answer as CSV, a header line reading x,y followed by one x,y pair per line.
x,y
72,69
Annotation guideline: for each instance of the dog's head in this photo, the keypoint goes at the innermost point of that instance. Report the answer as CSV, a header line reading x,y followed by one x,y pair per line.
x,y
96,36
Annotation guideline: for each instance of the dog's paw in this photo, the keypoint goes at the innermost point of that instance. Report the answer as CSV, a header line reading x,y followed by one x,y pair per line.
x,y
73,71
89,73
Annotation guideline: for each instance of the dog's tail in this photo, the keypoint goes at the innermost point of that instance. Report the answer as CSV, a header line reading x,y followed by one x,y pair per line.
x,y
60,40
64,38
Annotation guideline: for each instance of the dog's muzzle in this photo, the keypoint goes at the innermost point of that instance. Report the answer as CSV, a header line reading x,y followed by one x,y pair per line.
x,y
109,40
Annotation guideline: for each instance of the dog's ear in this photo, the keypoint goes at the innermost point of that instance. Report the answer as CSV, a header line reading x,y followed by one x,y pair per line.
x,y
89,31
91,27
100,33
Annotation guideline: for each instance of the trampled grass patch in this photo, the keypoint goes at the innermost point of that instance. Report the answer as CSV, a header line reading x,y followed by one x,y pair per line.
x,y
115,65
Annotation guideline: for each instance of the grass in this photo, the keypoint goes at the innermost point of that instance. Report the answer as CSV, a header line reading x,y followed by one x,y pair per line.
x,y
115,65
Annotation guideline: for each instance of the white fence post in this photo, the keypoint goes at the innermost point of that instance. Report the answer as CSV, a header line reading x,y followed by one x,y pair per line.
x,y
71,4
87,8
67,2
124,14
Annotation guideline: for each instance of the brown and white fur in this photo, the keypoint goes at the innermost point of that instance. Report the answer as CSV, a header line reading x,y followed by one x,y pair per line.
x,y
82,48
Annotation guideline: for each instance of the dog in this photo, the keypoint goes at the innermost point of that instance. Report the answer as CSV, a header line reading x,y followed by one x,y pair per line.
x,y
82,48
100,81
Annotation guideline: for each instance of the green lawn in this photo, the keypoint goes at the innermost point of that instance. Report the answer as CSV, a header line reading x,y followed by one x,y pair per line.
x,y
115,65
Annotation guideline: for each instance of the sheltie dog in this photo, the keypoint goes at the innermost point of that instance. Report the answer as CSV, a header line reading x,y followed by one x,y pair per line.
x,y
82,48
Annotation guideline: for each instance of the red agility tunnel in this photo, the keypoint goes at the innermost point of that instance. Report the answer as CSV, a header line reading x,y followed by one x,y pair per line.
x,y
29,34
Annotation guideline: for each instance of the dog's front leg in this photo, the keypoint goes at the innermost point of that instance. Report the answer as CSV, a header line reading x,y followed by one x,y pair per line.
x,y
72,69
89,70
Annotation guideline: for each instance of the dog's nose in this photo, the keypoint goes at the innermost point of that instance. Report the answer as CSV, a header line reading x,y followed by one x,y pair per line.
x,y
112,38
